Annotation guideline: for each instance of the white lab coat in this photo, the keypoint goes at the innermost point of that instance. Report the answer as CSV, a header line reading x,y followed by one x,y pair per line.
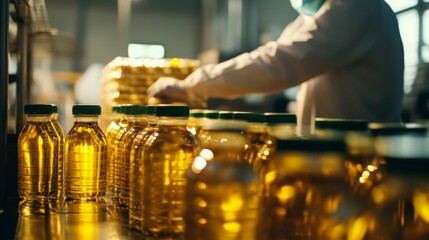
x,y
348,59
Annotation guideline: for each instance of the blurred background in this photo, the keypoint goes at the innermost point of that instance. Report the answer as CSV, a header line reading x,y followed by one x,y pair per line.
x,y
72,41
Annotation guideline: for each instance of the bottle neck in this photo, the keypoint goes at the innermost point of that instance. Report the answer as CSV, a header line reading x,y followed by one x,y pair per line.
x,y
38,117
85,118
172,121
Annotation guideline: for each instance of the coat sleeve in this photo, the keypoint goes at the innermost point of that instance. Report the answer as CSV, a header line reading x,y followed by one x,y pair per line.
x,y
339,34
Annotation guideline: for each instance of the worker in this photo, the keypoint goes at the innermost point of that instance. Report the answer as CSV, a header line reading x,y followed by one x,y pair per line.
x,y
346,55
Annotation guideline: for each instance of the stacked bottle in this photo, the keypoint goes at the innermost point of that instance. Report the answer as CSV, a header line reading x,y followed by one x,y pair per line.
x,y
221,192
38,146
85,161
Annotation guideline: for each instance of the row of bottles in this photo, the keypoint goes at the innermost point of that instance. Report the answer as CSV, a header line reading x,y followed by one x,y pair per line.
x,y
205,174
55,172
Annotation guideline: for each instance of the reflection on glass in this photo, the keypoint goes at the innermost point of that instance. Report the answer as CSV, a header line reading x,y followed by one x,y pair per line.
x,y
86,226
36,227
398,5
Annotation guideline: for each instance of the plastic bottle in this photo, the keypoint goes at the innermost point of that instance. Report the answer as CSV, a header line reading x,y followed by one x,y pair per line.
x,y
136,181
306,195
85,160
399,202
137,121
38,147
166,156
111,131
61,138
256,132
221,192
195,120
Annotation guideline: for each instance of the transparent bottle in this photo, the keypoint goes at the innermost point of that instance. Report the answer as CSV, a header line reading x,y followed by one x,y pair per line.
x,y
116,153
221,192
256,132
400,201
85,161
111,131
61,138
166,156
195,120
137,121
280,126
136,164
306,194
38,147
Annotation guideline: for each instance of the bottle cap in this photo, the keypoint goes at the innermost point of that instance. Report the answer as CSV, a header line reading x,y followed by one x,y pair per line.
x,y
341,124
38,109
280,118
226,115
168,110
150,109
86,110
211,114
115,109
54,108
196,113
249,117
135,110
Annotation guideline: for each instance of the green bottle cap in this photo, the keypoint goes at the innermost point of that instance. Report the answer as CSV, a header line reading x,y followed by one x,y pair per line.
x,y
211,114
167,110
38,109
280,118
311,145
196,113
54,108
115,109
341,124
253,117
150,109
86,109
226,115
135,110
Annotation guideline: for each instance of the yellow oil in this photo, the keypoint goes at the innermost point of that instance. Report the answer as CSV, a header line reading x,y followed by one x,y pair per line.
x,y
117,157
110,133
85,161
136,182
167,155
37,165
113,132
36,227
221,194
61,139
138,125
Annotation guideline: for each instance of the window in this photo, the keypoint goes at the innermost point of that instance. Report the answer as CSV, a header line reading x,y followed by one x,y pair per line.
x,y
145,51
398,5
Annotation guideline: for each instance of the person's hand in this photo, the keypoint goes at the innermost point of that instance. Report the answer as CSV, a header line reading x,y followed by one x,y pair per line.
x,y
168,88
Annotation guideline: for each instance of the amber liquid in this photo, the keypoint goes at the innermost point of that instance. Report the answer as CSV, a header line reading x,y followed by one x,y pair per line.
x,y
85,161
37,165
136,181
219,207
139,124
115,129
110,133
117,157
167,154
61,139
257,140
